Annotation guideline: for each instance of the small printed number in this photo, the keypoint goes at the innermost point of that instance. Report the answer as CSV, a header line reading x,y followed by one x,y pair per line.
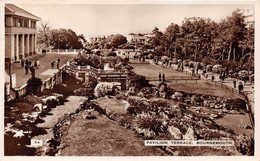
x,y
35,142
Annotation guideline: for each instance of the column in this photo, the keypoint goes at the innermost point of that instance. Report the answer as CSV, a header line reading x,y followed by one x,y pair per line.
x,y
31,44
12,47
22,45
35,42
27,45
17,46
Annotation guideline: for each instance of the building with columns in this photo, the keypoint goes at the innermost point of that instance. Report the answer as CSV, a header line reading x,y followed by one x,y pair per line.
x,y
20,33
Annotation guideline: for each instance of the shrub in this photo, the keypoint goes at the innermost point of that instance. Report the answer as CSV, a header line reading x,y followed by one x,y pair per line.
x,y
245,145
148,124
138,81
34,85
84,92
107,88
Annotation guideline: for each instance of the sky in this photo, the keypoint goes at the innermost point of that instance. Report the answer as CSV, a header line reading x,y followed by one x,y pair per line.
x,y
105,19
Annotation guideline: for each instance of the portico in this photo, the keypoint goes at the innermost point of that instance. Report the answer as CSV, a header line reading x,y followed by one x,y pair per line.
x,y
20,33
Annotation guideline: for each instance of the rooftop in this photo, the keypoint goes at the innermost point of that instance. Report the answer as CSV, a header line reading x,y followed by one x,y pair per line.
x,y
11,9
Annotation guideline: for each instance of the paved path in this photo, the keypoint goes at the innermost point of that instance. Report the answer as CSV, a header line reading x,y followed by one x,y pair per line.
x,y
45,64
51,120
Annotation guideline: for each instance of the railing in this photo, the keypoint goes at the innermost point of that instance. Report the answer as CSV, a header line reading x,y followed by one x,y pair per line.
x,y
63,50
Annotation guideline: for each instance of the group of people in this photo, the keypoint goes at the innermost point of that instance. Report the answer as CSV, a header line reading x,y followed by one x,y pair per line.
x,y
161,77
240,86
30,65
57,63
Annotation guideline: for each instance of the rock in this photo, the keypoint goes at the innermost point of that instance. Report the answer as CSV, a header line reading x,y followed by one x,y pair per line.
x,y
176,133
189,135
38,107
89,115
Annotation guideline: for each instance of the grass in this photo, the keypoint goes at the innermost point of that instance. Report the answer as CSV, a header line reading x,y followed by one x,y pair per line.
x,y
237,126
103,137
203,88
112,104
153,71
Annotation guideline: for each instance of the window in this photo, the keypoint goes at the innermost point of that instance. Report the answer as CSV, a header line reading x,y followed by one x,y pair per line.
x,y
20,22
15,22
26,23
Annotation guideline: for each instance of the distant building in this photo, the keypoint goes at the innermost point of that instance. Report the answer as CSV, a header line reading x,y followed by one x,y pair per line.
x,y
20,33
138,38
98,39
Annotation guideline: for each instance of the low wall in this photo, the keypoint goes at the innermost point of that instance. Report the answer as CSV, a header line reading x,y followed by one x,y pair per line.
x,y
46,84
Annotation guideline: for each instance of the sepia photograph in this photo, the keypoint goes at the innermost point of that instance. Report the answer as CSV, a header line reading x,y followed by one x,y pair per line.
x,y
128,79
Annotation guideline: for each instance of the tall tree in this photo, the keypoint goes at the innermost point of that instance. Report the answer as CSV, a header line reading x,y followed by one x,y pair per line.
x,y
44,34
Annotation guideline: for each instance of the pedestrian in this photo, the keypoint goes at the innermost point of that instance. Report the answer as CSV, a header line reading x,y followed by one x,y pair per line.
x,y
22,62
204,71
32,69
26,62
163,77
38,63
160,77
52,64
240,87
220,78
234,82
26,68
223,78
212,78
58,63
192,70
35,64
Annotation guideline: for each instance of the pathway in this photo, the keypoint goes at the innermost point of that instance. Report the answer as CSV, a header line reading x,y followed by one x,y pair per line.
x,y
55,114
45,64
248,87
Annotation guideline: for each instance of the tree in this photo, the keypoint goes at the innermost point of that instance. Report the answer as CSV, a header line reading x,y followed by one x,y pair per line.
x,y
44,35
117,40
65,39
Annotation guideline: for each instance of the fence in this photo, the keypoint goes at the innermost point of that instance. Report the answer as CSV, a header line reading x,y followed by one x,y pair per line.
x,y
233,90
63,50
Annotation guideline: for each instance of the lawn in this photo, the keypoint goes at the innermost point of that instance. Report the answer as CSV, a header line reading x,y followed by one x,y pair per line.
x,y
45,64
112,104
237,126
203,88
103,137
153,71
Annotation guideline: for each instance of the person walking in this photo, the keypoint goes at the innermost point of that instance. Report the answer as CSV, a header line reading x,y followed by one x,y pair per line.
x,y
26,68
52,64
163,77
160,77
212,78
22,62
26,62
58,64
234,82
32,69
37,63
240,87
